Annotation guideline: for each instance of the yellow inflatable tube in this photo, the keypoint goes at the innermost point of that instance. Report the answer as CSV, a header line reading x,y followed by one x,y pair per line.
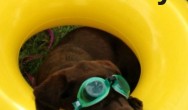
x,y
158,34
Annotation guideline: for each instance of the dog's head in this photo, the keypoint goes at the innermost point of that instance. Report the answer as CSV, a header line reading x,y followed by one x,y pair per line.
x,y
60,89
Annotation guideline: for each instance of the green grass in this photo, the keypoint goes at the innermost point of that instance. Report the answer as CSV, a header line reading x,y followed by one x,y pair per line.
x,y
36,48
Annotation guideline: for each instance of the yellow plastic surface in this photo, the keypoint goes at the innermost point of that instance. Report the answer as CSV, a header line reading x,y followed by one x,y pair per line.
x,y
157,34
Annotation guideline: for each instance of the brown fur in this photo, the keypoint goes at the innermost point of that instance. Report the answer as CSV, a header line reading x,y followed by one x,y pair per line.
x,y
84,53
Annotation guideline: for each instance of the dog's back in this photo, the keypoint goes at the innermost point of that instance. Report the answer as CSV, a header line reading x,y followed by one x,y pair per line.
x,y
98,44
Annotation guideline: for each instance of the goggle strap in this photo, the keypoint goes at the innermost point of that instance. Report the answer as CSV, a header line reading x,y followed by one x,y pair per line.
x,y
111,79
77,105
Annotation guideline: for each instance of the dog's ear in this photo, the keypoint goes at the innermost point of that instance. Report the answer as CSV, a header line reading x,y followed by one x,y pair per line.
x,y
48,93
135,103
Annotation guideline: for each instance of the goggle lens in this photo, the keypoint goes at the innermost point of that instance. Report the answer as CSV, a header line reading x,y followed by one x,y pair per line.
x,y
95,89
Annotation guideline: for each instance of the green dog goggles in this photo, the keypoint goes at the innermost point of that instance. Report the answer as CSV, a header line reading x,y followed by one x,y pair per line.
x,y
95,89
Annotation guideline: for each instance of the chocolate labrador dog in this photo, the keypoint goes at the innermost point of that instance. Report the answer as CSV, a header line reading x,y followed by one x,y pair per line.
x,y
82,54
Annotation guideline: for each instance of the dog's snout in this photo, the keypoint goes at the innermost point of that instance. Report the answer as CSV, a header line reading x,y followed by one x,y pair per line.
x,y
119,103
123,104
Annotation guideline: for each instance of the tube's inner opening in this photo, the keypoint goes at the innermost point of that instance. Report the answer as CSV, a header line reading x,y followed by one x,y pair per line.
x,y
35,49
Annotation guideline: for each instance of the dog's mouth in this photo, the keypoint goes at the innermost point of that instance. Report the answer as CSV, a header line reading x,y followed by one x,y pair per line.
x,y
93,90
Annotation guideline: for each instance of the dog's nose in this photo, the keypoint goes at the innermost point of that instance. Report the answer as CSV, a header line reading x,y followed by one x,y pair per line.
x,y
124,105
120,104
